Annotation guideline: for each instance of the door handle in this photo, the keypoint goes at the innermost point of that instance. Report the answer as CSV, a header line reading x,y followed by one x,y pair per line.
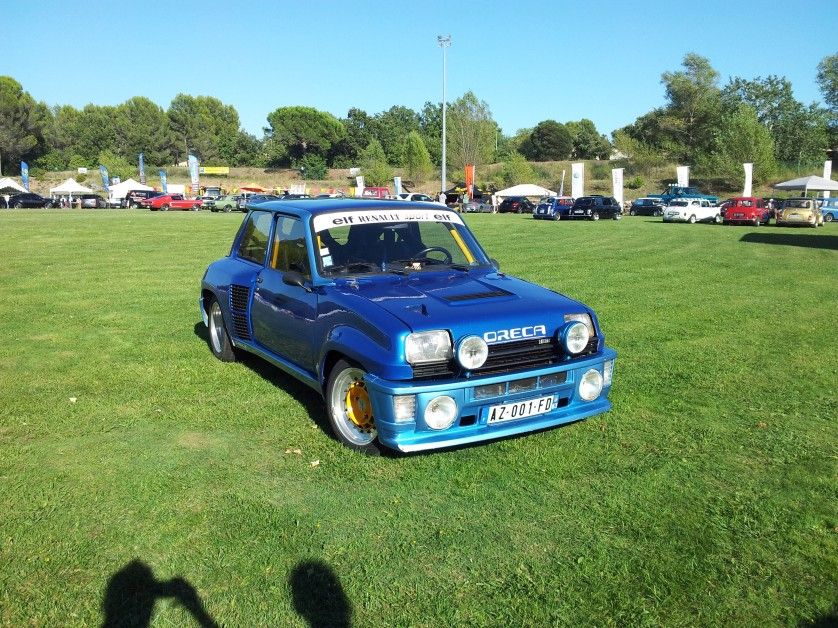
x,y
259,280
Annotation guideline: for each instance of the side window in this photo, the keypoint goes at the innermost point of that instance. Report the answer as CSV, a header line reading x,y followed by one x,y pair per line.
x,y
254,242
289,247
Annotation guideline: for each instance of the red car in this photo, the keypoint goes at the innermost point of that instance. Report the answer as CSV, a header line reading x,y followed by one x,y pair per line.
x,y
747,210
166,202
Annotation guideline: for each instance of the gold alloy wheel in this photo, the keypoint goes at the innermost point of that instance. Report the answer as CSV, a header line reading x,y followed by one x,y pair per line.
x,y
358,406
351,409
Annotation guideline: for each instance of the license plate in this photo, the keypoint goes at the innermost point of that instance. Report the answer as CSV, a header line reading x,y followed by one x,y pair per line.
x,y
737,215
521,409
578,211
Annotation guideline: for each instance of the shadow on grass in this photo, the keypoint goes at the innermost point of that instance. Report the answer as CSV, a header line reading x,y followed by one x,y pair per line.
x,y
828,242
133,590
318,596
829,620
302,394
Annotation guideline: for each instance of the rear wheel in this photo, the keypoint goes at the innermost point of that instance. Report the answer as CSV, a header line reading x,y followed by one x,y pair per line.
x,y
692,219
632,212
18,205
219,339
717,219
227,209
349,408
595,216
164,208
828,218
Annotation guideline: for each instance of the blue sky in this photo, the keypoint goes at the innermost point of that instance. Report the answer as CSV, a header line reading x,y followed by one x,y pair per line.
x,y
530,60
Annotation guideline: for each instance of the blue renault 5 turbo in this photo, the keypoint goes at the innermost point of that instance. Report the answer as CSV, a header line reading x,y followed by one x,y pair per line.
x,y
395,314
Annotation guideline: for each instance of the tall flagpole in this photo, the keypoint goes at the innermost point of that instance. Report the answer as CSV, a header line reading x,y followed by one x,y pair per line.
x,y
444,43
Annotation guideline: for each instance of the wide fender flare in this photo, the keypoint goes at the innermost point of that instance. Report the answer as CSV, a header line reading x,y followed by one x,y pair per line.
x,y
351,343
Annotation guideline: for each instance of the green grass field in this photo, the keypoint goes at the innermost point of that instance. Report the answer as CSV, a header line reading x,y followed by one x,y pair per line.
x,y
141,477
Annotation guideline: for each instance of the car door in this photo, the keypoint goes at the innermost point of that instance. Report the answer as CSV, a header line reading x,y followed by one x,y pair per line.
x,y
282,315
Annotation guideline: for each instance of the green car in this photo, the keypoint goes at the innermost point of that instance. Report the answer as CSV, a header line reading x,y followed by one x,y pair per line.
x,y
223,203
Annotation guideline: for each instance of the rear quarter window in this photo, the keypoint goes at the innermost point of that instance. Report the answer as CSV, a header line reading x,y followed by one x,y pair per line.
x,y
254,242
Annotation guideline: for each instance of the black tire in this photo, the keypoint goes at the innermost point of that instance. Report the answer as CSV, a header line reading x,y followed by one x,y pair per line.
x,y
227,209
692,220
828,218
18,205
164,208
632,212
595,216
219,339
717,219
756,222
346,397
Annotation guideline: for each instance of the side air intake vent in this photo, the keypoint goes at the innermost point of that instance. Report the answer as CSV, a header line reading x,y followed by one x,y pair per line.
x,y
474,296
239,297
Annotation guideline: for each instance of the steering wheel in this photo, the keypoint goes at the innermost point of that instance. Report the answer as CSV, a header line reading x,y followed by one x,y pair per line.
x,y
439,249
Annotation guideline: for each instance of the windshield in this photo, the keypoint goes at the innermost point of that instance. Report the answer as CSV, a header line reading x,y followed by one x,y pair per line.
x,y
678,204
797,204
400,241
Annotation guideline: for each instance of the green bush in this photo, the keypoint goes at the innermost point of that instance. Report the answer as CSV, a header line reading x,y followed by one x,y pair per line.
x,y
635,183
600,170
312,166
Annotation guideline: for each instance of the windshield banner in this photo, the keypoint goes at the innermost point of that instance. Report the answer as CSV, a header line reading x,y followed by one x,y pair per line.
x,y
142,169
24,174
349,218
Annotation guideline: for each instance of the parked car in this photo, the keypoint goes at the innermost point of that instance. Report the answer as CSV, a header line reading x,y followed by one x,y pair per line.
x,y
165,202
746,209
674,191
516,204
28,199
375,192
92,200
255,199
801,211
595,207
552,208
225,203
692,210
476,207
829,209
647,206
415,196
393,312
134,198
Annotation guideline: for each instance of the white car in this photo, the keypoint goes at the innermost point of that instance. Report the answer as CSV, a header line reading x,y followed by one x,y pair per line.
x,y
415,196
692,210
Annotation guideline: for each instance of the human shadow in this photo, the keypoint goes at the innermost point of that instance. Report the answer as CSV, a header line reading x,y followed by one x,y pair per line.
x,y
318,596
302,394
828,242
133,590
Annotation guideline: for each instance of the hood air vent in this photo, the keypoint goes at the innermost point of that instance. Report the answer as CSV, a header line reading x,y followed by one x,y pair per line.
x,y
475,296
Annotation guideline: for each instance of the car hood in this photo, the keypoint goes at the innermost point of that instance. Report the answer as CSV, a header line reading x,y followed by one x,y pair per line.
x,y
492,305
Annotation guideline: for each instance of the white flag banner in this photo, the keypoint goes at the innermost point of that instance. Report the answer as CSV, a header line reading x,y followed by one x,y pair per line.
x,y
683,173
617,183
359,185
827,174
748,190
577,180
397,185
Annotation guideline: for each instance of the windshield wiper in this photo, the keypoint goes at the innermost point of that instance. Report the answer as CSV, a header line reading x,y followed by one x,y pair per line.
x,y
354,267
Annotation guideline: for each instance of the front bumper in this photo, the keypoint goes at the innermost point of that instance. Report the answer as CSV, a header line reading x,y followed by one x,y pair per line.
x,y
471,424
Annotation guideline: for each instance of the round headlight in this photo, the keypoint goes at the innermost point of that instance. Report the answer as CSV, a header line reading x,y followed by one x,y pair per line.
x,y
590,385
576,337
472,352
440,412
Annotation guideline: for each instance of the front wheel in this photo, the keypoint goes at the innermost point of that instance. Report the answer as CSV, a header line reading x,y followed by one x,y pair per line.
x,y
632,212
828,218
350,409
595,216
219,339
692,219
18,205
717,219
227,209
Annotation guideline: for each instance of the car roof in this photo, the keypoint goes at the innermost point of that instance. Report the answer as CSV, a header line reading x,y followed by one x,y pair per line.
x,y
310,207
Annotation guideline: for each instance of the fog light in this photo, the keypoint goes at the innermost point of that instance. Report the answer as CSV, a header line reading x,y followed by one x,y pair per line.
x,y
441,412
522,385
590,385
607,372
404,408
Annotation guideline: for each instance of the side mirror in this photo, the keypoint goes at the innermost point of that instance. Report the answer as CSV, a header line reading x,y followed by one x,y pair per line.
x,y
294,278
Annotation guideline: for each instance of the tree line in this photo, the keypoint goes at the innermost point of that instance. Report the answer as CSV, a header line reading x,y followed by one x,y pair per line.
x,y
714,128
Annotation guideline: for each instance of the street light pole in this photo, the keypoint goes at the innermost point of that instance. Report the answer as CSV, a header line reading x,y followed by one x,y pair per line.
x,y
444,43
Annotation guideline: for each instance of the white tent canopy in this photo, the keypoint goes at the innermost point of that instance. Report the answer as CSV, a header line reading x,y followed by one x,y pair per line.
x,y
524,189
71,187
10,186
808,183
119,190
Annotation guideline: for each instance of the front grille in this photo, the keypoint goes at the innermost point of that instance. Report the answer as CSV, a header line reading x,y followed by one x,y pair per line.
x,y
476,295
507,358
